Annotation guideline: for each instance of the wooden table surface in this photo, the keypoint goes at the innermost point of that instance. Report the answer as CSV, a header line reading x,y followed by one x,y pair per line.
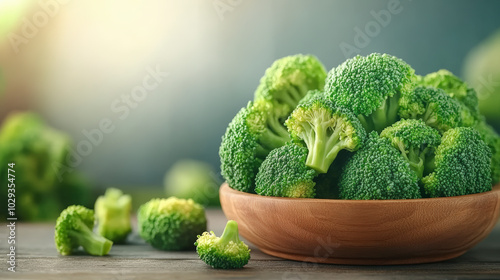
x,y
37,258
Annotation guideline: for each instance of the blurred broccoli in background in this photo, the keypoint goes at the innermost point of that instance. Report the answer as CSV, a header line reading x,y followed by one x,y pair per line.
x,y
112,211
482,71
36,149
193,179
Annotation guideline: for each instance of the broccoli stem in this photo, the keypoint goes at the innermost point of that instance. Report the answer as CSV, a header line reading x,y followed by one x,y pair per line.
x,y
268,139
230,233
291,96
277,127
387,113
367,123
93,243
415,158
324,148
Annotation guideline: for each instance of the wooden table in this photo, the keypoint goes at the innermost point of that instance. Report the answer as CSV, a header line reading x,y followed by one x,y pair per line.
x,y
37,258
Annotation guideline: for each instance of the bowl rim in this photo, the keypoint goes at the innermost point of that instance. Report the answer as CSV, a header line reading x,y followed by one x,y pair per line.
x,y
494,190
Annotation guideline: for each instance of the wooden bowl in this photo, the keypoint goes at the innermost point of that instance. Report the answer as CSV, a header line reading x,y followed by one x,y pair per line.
x,y
368,232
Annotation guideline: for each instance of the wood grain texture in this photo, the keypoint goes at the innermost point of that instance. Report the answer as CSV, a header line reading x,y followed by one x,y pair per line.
x,y
38,259
363,232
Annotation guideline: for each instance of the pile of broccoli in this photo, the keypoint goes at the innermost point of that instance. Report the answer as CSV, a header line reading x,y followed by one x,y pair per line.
x,y
369,129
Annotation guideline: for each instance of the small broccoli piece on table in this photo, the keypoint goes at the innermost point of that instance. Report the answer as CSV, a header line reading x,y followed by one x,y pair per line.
x,y
492,139
113,215
462,165
289,79
457,89
378,171
74,229
415,140
171,224
433,106
284,173
251,135
370,87
325,129
225,252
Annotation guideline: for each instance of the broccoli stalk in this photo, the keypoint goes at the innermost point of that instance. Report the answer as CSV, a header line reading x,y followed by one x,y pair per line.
x,y
226,252
74,229
325,129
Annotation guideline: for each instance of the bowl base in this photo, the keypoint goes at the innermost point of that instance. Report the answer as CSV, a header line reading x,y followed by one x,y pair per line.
x,y
362,261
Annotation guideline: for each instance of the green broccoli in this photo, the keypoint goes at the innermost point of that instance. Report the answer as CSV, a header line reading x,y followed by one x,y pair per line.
x,y
462,165
171,224
457,89
370,87
113,215
433,106
325,129
74,229
189,178
284,173
378,171
492,139
289,79
251,135
415,140
37,150
225,252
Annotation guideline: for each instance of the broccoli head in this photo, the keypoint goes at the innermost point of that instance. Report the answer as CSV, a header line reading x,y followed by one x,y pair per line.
x,y
415,140
457,89
462,163
378,171
189,178
225,252
284,173
492,139
325,129
289,79
113,215
171,224
251,135
74,229
370,87
433,106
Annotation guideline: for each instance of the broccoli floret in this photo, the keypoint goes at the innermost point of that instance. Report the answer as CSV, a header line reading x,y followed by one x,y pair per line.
x,y
171,224
74,229
325,129
415,140
284,173
462,165
289,79
225,252
370,87
189,178
252,134
492,139
378,171
457,89
113,215
433,106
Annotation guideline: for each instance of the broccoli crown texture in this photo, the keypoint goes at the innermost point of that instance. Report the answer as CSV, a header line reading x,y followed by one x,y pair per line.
x,y
113,215
251,135
325,129
433,106
415,140
371,87
74,229
171,224
284,173
225,252
378,171
289,78
462,165
492,139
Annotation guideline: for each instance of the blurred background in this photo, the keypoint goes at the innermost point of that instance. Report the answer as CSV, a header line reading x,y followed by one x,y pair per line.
x,y
139,85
